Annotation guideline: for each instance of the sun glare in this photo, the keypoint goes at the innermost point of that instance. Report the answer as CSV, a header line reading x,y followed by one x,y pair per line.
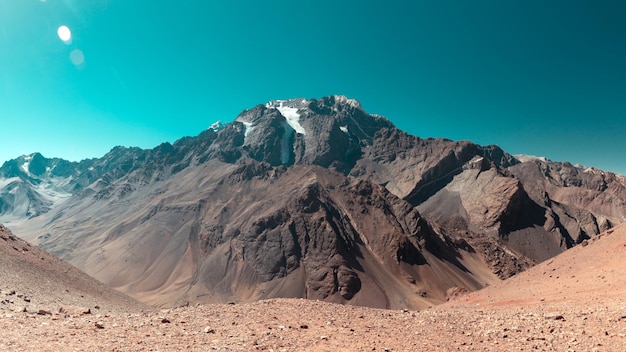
x,y
77,57
64,34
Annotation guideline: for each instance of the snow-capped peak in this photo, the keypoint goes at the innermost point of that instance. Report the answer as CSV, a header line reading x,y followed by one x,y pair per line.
x,y
216,126
343,99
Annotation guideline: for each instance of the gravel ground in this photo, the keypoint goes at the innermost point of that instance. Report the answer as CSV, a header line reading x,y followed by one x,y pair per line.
x,y
301,325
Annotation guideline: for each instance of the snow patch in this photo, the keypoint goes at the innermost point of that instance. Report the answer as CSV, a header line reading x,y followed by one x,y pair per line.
x,y
591,170
247,128
343,99
216,126
526,158
344,129
292,116
26,165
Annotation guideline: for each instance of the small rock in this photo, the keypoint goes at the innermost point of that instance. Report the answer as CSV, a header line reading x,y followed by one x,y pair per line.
x,y
209,330
304,326
554,316
99,325
165,321
43,312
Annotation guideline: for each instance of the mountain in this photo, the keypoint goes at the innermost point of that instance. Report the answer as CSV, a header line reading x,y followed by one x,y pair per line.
x,y
34,281
312,198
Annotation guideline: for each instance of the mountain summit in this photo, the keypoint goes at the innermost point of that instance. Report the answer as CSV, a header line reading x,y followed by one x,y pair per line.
x,y
310,198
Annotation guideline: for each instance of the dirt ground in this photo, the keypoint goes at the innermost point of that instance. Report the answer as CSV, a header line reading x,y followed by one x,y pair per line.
x,y
573,302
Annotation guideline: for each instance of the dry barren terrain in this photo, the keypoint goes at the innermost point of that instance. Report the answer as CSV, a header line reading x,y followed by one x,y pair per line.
x,y
573,302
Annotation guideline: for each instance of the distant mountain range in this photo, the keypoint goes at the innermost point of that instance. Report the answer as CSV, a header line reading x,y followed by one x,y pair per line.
x,y
306,198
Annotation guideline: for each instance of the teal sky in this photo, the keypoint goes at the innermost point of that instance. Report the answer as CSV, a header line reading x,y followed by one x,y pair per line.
x,y
537,77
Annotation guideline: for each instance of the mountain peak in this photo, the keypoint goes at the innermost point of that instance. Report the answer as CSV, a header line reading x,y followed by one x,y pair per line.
x,y
216,126
345,100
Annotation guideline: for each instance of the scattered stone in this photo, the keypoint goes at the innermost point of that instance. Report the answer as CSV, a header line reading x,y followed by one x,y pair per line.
x,y
165,321
553,316
304,326
209,330
43,312
99,325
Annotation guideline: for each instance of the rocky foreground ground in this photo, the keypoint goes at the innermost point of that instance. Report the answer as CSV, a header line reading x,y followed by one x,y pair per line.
x,y
301,325
573,302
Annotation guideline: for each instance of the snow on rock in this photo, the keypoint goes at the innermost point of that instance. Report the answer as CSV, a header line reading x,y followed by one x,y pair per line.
x,y
293,118
216,126
290,112
248,127
26,164
344,129
526,158
343,99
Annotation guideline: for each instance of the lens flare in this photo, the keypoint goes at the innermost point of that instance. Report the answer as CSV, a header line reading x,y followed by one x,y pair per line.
x,y
64,34
77,57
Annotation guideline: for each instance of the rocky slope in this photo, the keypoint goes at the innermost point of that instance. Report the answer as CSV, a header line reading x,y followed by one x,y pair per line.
x,y
571,303
317,199
35,282
252,231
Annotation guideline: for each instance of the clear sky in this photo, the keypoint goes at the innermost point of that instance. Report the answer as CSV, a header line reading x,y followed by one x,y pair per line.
x,y
546,78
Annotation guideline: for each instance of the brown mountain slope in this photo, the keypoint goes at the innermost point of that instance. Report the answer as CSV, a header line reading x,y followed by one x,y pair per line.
x,y
243,232
33,280
590,273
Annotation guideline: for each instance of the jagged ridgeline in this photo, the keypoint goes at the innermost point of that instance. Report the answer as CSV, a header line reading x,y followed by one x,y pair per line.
x,y
310,198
